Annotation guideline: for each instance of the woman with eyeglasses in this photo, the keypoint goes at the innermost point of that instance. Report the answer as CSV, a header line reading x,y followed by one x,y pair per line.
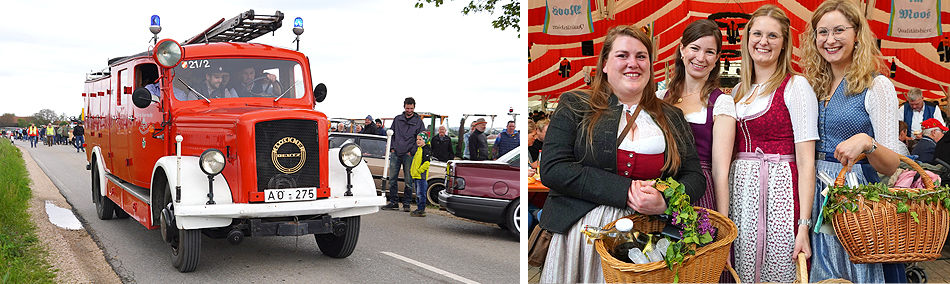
x,y
857,113
773,176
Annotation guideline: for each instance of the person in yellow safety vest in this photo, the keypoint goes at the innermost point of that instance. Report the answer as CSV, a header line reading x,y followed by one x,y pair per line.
x,y
32,132
50,135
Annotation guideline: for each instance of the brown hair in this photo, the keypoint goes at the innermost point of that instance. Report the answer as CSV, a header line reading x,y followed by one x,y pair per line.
x,y
866,62
598,98
693,32
784,64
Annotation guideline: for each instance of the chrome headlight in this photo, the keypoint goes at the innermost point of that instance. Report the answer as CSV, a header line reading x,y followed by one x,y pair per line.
x,y
212,161
168,53
350,155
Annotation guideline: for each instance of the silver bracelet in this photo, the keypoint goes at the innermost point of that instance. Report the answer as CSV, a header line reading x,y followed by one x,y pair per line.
x,y
806,222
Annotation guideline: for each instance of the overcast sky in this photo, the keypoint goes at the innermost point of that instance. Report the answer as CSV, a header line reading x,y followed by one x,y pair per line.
x,y
370,54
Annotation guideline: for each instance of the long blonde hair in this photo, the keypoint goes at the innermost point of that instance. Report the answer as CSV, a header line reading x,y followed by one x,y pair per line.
x,y
598,99
784,64
866,57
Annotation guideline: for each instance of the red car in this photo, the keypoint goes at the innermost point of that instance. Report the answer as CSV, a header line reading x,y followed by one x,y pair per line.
x,y
486,191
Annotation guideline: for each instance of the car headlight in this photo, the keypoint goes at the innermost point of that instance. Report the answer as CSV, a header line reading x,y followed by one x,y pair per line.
x,y
212,161
168,53
350,155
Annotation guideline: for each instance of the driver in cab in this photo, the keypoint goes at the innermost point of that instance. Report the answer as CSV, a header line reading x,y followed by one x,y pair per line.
x,y
253,85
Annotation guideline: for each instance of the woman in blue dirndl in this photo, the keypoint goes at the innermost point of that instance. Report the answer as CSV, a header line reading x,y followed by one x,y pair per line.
x,y
857,114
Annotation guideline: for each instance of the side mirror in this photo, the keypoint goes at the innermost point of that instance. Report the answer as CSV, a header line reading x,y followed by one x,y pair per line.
x,y
320,92
142,98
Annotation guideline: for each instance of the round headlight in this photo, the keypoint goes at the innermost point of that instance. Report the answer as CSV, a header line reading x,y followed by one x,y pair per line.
x,y
168,53
350,155
212,161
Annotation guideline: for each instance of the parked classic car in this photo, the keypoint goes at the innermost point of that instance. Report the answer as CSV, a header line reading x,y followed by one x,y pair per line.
x,y
486,191
374,150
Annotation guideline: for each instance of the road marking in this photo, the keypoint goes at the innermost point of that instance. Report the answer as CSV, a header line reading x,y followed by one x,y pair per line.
x,y
430,268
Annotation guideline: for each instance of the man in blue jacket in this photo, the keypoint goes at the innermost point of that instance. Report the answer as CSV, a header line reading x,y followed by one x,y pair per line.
x,y
405,128
506,141
915,111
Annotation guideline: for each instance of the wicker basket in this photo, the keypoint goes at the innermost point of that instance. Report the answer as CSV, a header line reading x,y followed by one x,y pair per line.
x,y
876,233
704,267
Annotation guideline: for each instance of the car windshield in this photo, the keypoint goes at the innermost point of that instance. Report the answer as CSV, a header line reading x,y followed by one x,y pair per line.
x,y
200,79
512,158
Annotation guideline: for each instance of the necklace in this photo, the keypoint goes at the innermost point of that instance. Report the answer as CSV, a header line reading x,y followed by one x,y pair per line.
x,y
687,95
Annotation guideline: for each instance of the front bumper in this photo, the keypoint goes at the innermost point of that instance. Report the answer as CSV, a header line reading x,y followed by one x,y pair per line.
x,y
221,215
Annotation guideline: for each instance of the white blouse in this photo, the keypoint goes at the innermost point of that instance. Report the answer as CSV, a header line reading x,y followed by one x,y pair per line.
x,y
725,105
879,102
649,137
799,99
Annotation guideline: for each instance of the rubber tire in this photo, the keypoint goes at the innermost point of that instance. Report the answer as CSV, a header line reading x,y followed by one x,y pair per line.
x,y
104,206
432,195
186,245
185,256
514,217
340,246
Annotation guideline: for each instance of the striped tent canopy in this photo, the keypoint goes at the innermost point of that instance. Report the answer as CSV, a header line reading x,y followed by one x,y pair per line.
x,y
916,60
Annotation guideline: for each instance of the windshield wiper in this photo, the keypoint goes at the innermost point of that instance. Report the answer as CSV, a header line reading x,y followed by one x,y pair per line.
x,y
193,90
288,90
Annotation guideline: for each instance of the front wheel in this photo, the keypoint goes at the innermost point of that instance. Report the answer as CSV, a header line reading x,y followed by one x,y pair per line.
x,y
186,250
514,217
185,244
340,246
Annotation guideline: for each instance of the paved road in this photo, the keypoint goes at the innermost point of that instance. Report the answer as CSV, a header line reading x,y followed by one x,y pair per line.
x,y
393,247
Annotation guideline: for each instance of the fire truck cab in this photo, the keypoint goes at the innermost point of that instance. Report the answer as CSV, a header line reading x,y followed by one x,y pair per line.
x,y
218,136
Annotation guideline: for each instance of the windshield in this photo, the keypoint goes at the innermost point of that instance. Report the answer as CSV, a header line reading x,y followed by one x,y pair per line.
x,y
512,158
237,78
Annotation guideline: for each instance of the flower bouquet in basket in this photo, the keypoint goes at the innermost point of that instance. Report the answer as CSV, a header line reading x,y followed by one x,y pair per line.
x,y
877,224
674,236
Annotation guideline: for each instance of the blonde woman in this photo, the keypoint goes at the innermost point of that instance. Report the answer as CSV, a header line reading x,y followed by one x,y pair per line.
x,y
773,177
857,113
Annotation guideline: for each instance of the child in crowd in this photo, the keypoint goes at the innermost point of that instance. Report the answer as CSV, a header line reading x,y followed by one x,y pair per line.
x,y
420,172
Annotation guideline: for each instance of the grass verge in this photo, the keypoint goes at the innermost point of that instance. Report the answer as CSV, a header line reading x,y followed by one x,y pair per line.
x,y
22,256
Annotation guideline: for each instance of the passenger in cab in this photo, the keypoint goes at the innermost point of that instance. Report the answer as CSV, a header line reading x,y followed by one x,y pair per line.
x,y
215,84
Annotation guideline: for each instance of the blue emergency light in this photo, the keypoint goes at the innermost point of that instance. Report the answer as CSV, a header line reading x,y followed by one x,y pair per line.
x,y
298,22
155,28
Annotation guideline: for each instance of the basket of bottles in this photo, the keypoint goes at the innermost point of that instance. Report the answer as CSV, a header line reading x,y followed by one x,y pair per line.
x,y
649,250
877,224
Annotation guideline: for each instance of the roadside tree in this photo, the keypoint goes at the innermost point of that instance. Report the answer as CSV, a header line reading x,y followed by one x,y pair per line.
x,y
8,119
510,17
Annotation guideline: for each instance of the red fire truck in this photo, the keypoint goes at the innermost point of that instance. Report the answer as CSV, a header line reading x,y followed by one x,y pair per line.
x,y
218,136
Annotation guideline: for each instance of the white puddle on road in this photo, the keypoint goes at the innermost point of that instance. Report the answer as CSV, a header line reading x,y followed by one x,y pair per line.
x,y
62,217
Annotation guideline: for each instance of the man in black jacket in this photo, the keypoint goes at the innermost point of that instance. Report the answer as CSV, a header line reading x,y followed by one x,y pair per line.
x,y
405,128
477,143
442,146
369,127
78,132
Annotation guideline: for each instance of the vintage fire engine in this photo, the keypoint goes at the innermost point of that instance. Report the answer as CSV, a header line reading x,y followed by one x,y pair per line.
x,y
218,136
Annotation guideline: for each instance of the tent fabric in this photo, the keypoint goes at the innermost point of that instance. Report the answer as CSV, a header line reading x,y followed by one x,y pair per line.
x,y
917,59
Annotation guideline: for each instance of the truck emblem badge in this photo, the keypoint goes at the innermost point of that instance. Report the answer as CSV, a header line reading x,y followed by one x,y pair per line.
x,y
275,157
